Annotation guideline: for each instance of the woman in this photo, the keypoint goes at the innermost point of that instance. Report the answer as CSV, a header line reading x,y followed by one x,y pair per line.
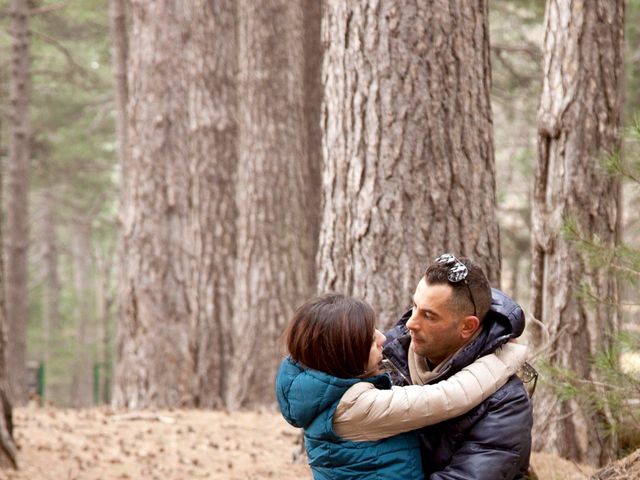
x,y
331,386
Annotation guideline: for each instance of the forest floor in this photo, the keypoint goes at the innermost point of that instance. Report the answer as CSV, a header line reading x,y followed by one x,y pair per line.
x,y
102,444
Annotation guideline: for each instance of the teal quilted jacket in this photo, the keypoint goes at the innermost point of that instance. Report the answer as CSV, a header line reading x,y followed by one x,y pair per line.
x,y
308,399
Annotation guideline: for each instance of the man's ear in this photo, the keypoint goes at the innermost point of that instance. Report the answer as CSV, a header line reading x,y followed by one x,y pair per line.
x,y
470,324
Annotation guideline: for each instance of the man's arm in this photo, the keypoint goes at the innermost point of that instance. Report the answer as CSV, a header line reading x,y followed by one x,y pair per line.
x,y
365,413
498,445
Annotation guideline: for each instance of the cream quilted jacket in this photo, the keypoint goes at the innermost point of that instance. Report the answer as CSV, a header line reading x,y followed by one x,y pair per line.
x,y
366,413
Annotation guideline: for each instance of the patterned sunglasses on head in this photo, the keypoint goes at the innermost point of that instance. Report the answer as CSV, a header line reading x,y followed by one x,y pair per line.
x,y
457,273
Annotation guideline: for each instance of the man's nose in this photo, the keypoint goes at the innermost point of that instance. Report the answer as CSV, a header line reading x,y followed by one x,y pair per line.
x,y
412,324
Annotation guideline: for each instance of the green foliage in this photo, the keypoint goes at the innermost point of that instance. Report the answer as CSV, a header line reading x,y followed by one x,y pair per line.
x,y
617,389
623,259
615,386
615,164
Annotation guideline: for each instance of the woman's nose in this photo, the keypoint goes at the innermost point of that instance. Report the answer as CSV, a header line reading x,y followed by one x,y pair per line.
x,y
381,337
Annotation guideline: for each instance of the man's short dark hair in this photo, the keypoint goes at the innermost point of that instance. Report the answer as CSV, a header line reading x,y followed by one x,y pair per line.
x,y
461,300
332,333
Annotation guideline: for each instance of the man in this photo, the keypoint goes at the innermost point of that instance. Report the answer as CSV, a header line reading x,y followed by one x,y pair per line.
x,y
456,318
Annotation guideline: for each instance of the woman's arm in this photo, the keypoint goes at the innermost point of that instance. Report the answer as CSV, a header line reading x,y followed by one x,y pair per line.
x,y
366,413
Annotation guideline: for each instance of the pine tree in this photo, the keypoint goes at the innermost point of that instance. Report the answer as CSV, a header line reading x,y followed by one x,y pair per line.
x,y
578,123
409,160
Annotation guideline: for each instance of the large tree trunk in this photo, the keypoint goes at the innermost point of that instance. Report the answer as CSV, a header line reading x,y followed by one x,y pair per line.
x,y
275,244
178,205
409,160
155,365
18,196
211,56
578,124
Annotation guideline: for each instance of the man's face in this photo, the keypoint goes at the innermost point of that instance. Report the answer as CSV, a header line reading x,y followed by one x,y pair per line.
x,y
436,330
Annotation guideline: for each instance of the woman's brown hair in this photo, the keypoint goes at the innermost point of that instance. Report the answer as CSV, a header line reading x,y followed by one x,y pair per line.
x,y
332,333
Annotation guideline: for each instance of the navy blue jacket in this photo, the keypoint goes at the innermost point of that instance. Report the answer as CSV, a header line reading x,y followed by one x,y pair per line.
x,y
493,440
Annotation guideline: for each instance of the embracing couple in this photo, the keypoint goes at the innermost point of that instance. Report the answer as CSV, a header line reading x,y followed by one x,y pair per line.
x,y
435,397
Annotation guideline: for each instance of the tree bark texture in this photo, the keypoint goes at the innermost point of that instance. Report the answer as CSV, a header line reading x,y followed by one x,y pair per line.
x,y
211,55
155,365
18,196
408,148
178,210
578,125
313,97
274,230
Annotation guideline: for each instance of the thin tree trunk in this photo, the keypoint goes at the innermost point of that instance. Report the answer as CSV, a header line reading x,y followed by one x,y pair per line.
x,y
104,303
118,21
516,267
274,230
82,381
8,453
8,457
179,205
18,196
408,148
52,290
517,263
578,124
119,57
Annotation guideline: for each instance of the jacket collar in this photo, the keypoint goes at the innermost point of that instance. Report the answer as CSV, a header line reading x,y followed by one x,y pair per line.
x,y
303,392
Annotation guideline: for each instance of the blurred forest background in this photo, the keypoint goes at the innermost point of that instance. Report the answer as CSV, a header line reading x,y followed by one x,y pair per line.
x,y
157,168
73,193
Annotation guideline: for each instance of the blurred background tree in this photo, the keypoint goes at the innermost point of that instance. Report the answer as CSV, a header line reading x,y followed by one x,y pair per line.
x,y
516,67
17,194
178,156
516,39
579,122
73,196
7,445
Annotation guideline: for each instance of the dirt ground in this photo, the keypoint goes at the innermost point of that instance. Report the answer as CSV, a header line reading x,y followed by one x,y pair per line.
x,y
101,444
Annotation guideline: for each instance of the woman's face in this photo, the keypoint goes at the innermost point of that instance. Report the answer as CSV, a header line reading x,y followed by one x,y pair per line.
x,y
375,354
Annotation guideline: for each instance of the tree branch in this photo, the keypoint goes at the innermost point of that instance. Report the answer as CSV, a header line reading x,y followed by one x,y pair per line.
x,y
533,52
65,51
48,8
